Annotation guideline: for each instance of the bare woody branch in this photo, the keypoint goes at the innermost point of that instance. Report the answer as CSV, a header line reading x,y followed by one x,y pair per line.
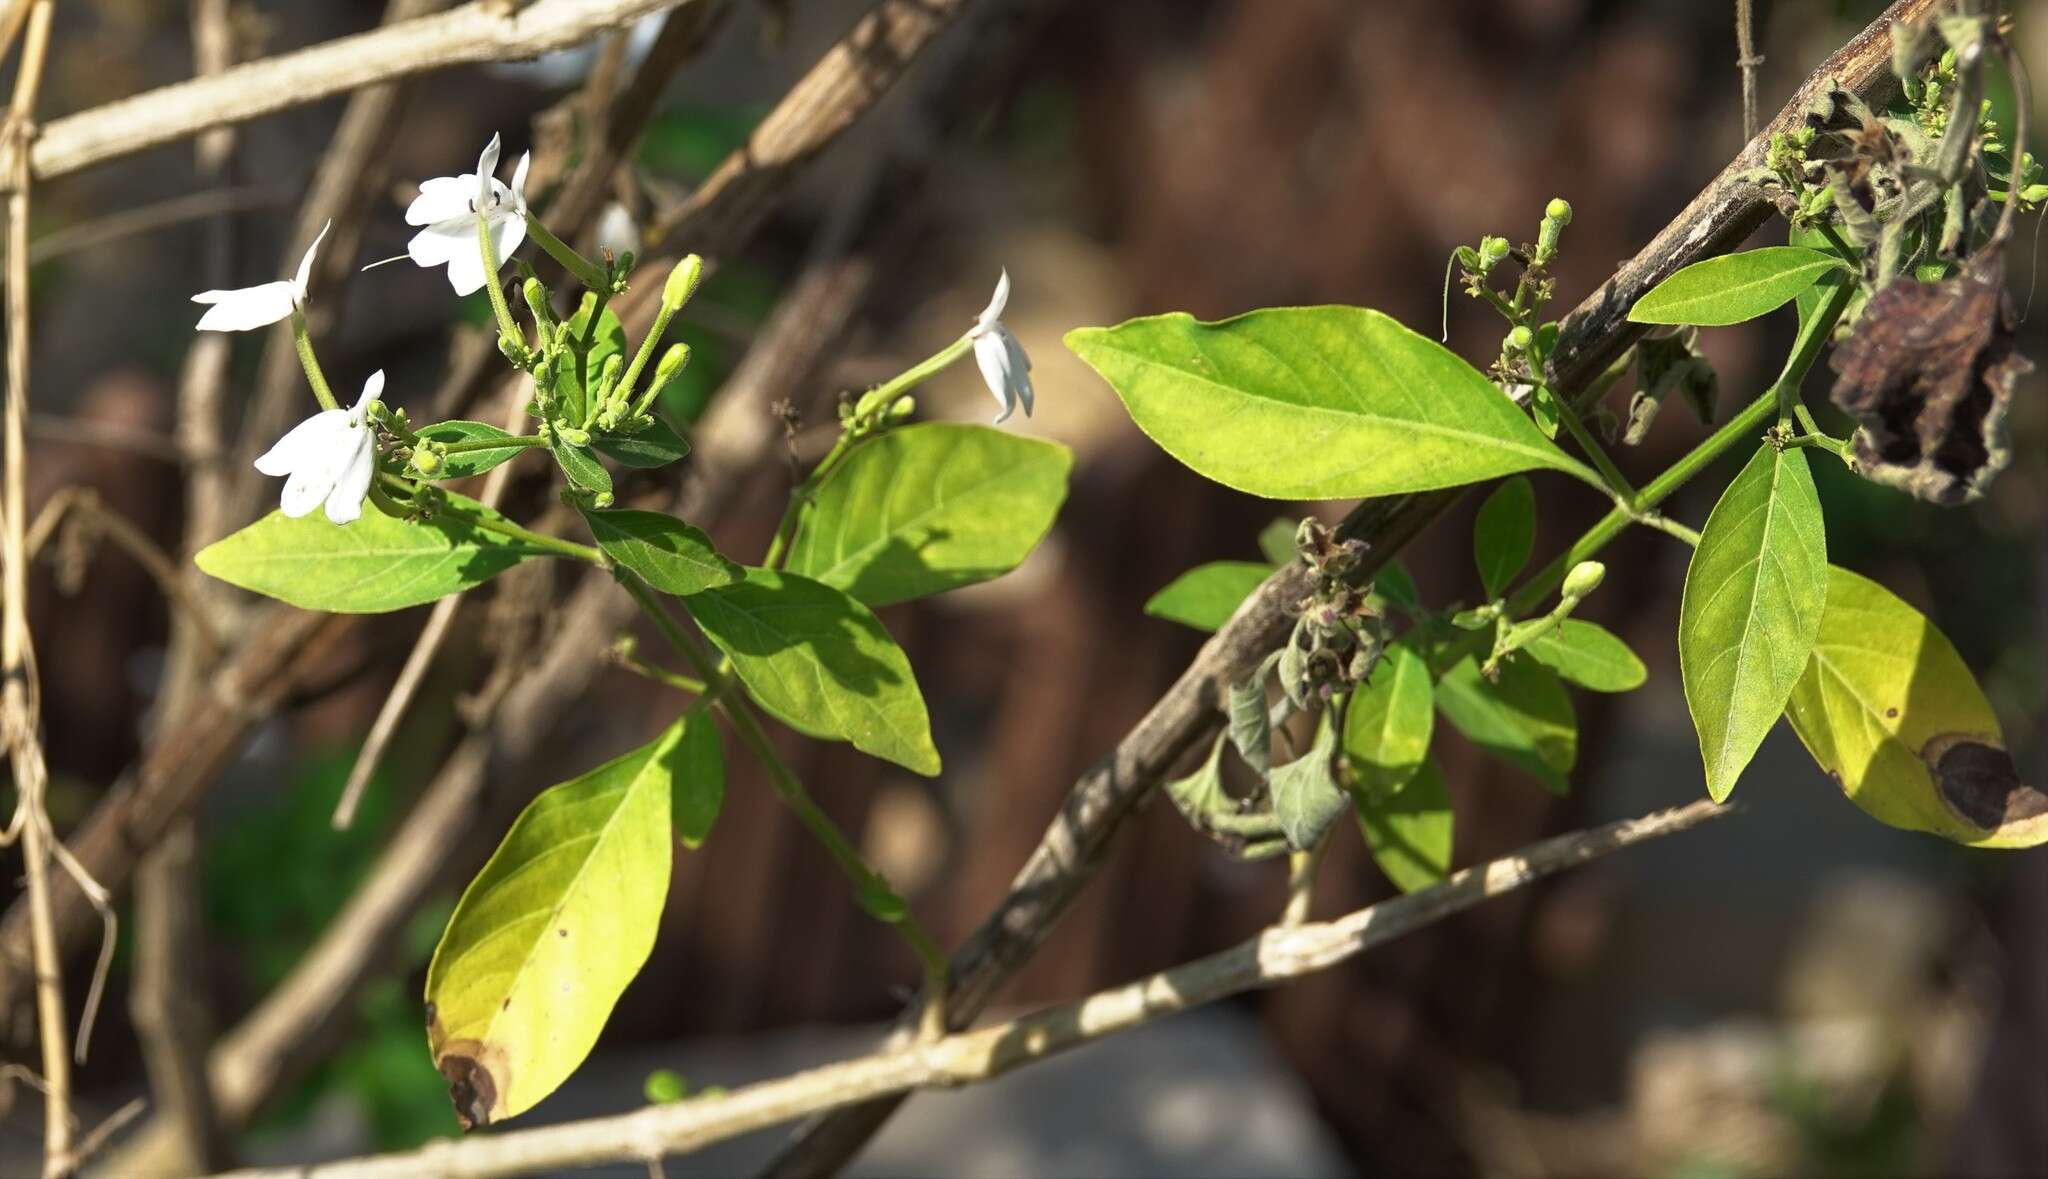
x,y
1274,956
1725,213
485,30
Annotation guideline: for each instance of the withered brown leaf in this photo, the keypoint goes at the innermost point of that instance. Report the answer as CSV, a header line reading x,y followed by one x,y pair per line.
x,y
1929,373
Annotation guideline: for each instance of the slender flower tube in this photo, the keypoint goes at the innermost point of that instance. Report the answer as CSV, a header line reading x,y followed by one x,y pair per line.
x,y
1001,358
245,308
448,207
328,459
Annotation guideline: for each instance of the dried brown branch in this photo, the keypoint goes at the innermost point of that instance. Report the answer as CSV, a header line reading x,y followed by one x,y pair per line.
x,y
20,709
1274,956
1727,211
485,30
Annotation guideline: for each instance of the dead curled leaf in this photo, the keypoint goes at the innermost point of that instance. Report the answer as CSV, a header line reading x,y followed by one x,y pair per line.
x,y
1929,374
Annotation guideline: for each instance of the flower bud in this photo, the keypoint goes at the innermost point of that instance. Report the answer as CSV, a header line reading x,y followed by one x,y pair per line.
x,y
572,435
1559,211
682,282
537,302
1519,339
608,377
1492,252
1584,578
428,459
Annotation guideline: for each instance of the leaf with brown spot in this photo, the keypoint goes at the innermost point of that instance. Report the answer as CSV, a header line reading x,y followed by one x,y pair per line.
x,y
516,1001
1889,709
1929,374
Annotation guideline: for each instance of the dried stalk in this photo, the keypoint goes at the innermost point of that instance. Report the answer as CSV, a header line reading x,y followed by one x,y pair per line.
x,y
1273,956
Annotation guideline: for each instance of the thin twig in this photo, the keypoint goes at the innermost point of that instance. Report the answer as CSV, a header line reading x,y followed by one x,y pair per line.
x,y
1273,956
1747,60
22,705
163,214
485,30
85,502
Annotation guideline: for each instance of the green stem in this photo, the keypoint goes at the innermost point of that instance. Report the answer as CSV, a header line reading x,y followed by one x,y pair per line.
x,y
866,881
587,272
1616,481
507,326
1746,425
311,363
662,675
475,444
492,522
648,343
885,396
584,408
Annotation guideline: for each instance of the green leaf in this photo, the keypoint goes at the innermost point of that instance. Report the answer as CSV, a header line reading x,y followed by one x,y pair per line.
x,y
1752,606
928,508
609,341
1589,655
1206,596
1389,722
1315,403
1306,796
580,466
470,462
550,932
1409,829
698,780
1505,534
1209,809
1892,713
655,446
819,662
1734,287
1524,720
371,566
1276,540
1250,725
669,554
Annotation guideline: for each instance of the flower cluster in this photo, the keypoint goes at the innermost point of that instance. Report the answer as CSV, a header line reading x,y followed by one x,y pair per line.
x,y
473,224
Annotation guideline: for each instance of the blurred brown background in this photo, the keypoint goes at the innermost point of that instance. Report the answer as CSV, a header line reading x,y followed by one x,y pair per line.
x,y
1796,990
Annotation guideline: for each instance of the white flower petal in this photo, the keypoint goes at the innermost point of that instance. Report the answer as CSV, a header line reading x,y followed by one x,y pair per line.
x,y
994,361
345,502
486,167
996,305
437,243
519,182
247,307
373,388
302,444
507,233
444,198
616,231
466,269
1020,368
302,493
305,274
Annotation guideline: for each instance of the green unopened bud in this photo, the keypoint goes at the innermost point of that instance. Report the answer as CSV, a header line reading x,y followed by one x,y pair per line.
x,y
1492,252
682,282
537,302
1558,210
572,435
428,459
608,377
1584,578
672,362
1556,216
902,408
1519,339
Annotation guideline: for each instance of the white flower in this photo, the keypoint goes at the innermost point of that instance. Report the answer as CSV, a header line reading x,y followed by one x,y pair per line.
x,y
1003,363
260,306
328,458
616,231
448,206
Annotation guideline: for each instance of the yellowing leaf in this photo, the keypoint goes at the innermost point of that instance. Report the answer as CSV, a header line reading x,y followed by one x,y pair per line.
x,y
1892,713
550,932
